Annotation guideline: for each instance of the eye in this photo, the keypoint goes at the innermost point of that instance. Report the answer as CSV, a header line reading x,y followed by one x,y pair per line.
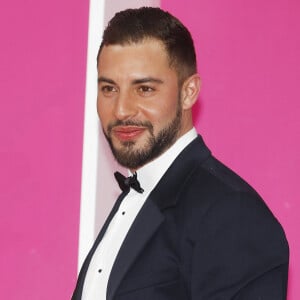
x,y
145,90
108,90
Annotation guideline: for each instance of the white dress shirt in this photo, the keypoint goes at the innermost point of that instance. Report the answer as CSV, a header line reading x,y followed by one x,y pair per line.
x,y
97,276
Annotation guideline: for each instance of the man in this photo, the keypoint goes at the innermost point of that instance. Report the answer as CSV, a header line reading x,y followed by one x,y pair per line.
x,y
189,228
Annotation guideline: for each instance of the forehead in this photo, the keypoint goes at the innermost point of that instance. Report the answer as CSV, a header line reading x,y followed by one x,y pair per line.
x,y
148,55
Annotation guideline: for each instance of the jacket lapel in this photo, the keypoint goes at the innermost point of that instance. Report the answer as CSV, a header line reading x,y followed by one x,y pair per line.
x,y
144,226
172,184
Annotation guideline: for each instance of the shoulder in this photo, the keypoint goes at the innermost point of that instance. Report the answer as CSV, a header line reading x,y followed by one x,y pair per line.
x,y
219,203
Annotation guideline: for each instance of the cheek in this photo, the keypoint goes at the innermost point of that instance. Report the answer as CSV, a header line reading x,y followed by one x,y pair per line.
x,y
163,106
104,107
164,109
160,116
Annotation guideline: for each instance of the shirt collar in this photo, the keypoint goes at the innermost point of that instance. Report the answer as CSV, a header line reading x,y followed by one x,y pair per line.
x,y
150,174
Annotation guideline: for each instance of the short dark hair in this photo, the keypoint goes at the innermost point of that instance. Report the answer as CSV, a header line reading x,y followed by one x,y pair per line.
x,y
135,25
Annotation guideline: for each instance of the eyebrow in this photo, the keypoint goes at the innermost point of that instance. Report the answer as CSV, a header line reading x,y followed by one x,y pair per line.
x,y
147,80
104,79
135,81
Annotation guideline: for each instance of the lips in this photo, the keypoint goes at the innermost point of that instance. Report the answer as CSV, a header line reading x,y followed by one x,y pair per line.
x,y
127,133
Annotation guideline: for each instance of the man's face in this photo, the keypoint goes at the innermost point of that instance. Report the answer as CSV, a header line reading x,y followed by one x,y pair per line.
x,y
138,101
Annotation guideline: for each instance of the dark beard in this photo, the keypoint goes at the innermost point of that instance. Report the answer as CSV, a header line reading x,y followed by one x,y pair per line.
x,y
156,145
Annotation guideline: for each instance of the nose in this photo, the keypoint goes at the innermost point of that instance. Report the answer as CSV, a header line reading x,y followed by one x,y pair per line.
x,y
125,106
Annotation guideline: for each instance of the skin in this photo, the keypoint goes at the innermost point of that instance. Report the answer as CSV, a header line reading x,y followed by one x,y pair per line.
x,y
139,97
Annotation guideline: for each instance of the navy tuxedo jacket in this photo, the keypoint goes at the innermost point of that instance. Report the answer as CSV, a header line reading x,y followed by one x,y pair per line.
x,y
203,233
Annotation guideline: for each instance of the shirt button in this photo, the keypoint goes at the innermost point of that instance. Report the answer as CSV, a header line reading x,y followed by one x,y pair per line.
x,y
123,212
100,270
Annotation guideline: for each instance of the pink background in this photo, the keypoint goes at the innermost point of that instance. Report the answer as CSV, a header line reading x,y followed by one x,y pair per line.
x,y
248,53
43,62
249,60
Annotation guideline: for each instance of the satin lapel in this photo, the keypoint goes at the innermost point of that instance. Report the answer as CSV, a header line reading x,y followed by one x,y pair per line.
x,y
144,226
79,286
172,184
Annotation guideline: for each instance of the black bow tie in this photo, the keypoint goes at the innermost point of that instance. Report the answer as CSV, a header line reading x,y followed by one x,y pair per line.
x,y
126,183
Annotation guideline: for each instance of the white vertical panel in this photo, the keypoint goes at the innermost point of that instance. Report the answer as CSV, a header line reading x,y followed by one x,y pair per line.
x,y
91,132
98,187
113,6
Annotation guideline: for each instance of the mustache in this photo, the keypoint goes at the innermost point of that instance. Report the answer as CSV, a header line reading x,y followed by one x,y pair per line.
x,y
136,123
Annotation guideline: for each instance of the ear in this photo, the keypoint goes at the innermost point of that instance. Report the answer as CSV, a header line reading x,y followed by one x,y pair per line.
x,y
190,91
